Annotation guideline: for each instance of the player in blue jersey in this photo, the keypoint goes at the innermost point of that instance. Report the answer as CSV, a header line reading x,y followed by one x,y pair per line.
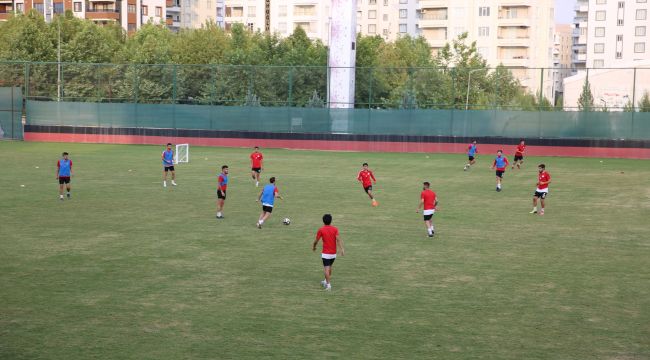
x,y
267,197
471,155
500,164
63,174
168,164
221,190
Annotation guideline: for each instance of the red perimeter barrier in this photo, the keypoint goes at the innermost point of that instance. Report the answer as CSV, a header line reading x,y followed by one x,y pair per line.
x,y
364,146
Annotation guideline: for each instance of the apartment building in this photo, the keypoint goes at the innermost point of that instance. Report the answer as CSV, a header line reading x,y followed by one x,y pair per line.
x,y
130,14
580,29
515,33
388,18
194,13
562,57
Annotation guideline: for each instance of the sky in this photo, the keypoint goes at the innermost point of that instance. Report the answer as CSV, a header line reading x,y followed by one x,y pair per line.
x,y
564,11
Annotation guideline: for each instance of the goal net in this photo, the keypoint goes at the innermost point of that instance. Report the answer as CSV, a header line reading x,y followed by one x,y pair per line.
x,y
182,154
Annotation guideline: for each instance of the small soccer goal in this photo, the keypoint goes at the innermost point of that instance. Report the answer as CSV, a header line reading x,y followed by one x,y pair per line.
x,y
182,154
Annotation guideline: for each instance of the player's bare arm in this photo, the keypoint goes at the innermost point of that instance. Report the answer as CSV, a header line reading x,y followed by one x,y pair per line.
x,y
339,243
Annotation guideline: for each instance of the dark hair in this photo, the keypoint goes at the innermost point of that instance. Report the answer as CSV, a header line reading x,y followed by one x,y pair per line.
x,y
426,183
520,140
65,153
168,144
364,164
327,219
542,166
224,167
501,151
272,179
257,147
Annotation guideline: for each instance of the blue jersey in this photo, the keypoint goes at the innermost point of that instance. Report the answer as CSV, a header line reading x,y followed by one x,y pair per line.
x,y
65,166
168,158
500,162
472,150
268,195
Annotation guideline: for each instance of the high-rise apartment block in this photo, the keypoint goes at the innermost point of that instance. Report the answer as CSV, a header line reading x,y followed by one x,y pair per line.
x,y
562,56
515,33
130,14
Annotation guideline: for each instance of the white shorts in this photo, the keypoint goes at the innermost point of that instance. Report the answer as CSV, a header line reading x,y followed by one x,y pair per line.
x,y
428,212
328,256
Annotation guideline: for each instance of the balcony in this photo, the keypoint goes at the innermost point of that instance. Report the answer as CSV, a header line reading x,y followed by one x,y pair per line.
x,y
433,20
6,2
433,4
515,3
581,8
523,41
102,14
437,43
518,21
520,61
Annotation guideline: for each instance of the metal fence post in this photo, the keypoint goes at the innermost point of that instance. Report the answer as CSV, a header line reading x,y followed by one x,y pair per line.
x,y
633,103
290,85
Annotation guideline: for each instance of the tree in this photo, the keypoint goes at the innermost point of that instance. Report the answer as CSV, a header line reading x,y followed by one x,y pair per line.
x,y
586,99
644,103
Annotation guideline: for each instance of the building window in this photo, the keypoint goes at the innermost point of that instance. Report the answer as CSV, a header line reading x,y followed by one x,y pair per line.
x,y
372,2
385,17
402,28
619,37
621,4
131,27
639,31
208,4
19,7
639,47
282,11
385,2
145,10
403,13
600,15
372,14
372,28
58,8
385,32
130,8
601,2
403,1
599,48
619,54
483,31
599,63
77,7
484,11
600,32
251,11
641,14
158,11
219,12
619,22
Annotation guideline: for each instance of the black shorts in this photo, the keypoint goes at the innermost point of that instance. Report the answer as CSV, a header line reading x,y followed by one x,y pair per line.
x,y
268,209
64,180
541,195
368,188
328,262
220,196
257,170
471,158
169,168
519,158
500,173
428,217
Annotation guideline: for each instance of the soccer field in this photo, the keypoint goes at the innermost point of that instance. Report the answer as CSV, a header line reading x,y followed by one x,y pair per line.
x,y
128,269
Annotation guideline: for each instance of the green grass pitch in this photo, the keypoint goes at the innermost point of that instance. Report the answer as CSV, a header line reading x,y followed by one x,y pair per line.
x,y
128,269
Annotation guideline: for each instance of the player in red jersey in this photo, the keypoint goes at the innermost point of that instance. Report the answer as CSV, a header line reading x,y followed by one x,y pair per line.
x,y
367,179
500,163
331,241
519,155
543,179
256,165
428,202
221,190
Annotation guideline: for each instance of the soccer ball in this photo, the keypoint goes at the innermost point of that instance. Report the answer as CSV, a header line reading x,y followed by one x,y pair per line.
x,y
286,221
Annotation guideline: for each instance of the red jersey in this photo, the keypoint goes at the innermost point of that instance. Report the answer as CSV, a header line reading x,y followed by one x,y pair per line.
x,y
256,160
328,233
223,182
520,150
429,198
366,177
543,177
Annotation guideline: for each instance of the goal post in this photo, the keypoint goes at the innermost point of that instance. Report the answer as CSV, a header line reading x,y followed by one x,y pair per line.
x,y
182,154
